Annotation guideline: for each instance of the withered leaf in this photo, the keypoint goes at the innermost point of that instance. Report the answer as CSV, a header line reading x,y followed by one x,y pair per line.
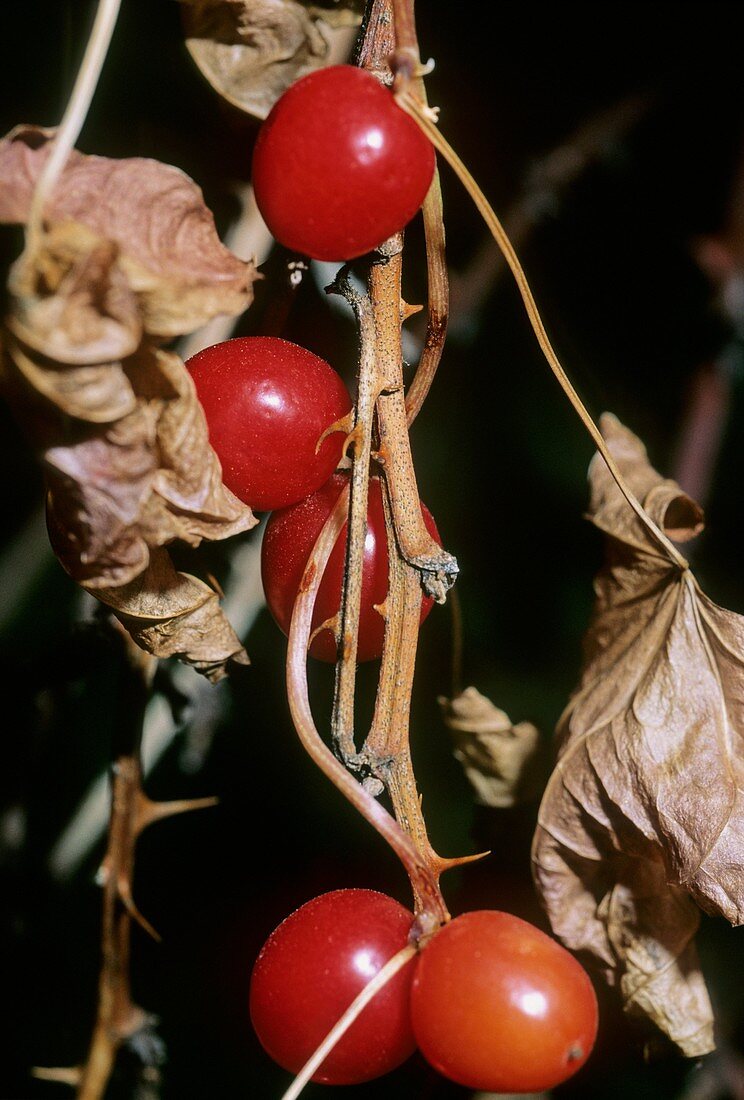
x,y
124,444
644,814
143,481
250,51
169,251
501,761
172,614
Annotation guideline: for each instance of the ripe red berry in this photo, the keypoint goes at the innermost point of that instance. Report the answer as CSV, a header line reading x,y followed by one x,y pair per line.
x,y
267,403
288,540
338,166
310,970
498,1005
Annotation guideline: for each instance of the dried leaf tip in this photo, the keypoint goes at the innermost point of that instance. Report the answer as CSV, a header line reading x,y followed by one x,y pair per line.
x,y
644,814
250,51
502,761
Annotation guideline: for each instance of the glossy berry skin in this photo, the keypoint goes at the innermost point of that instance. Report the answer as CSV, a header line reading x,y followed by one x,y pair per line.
x,y
288,541
338,166
310,970
267,402
497,1005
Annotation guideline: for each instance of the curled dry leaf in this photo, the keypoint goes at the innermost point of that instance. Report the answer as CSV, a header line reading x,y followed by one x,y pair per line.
x,y
250,51
169,251
172,614
501,761
643,818
115,418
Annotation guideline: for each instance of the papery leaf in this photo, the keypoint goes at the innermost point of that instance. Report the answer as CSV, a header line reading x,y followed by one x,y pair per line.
x,y
645,809
250,51
501,761
140,482
172,614
124,443
169,251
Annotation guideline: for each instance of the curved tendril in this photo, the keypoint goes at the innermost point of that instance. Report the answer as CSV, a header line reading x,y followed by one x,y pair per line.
x,y
423,116
355,1009
74,116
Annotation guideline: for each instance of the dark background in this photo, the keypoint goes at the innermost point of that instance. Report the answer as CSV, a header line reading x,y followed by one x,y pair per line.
x,y
501,461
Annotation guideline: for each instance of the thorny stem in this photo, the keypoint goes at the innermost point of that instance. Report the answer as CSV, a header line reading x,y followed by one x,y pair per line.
x,y
422,115
117,1017
299,705
74,116
438,568
416,560
387,748
351,596
355,1009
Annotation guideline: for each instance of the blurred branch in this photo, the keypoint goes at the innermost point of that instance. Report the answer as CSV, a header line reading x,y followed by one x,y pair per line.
x,y
546,185
243,601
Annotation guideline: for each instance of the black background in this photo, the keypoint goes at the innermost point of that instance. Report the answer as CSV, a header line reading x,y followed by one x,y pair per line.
x,y
501,461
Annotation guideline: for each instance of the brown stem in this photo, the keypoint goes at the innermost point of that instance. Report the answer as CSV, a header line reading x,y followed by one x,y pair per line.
x,y
386,749
438,299
117,1017
377,41
438,568
424,885
368,388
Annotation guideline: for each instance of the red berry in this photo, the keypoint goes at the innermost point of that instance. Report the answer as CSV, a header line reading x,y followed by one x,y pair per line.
x,y
288,541
310,970
498,1005
267,403
338,166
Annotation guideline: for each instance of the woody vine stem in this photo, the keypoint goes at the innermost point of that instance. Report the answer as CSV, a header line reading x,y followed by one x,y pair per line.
x,y
378,430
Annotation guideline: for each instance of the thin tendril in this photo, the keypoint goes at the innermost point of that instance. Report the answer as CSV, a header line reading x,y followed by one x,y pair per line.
x,y
413,107
357,1006
74,116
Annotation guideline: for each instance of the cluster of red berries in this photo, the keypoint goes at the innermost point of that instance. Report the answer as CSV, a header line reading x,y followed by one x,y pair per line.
x,y
490,1001
267,403
337,168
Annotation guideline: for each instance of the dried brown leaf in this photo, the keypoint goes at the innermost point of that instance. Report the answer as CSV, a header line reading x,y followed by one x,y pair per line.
x,y
250,51
169,251
146,479
172,614
124,443
644,814
501,760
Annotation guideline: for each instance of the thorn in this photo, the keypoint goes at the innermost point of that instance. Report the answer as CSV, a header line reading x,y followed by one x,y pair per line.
x,y
407,310
125,896
459,861
148,811
382,608
333,625
345,424
63,1075
351,439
